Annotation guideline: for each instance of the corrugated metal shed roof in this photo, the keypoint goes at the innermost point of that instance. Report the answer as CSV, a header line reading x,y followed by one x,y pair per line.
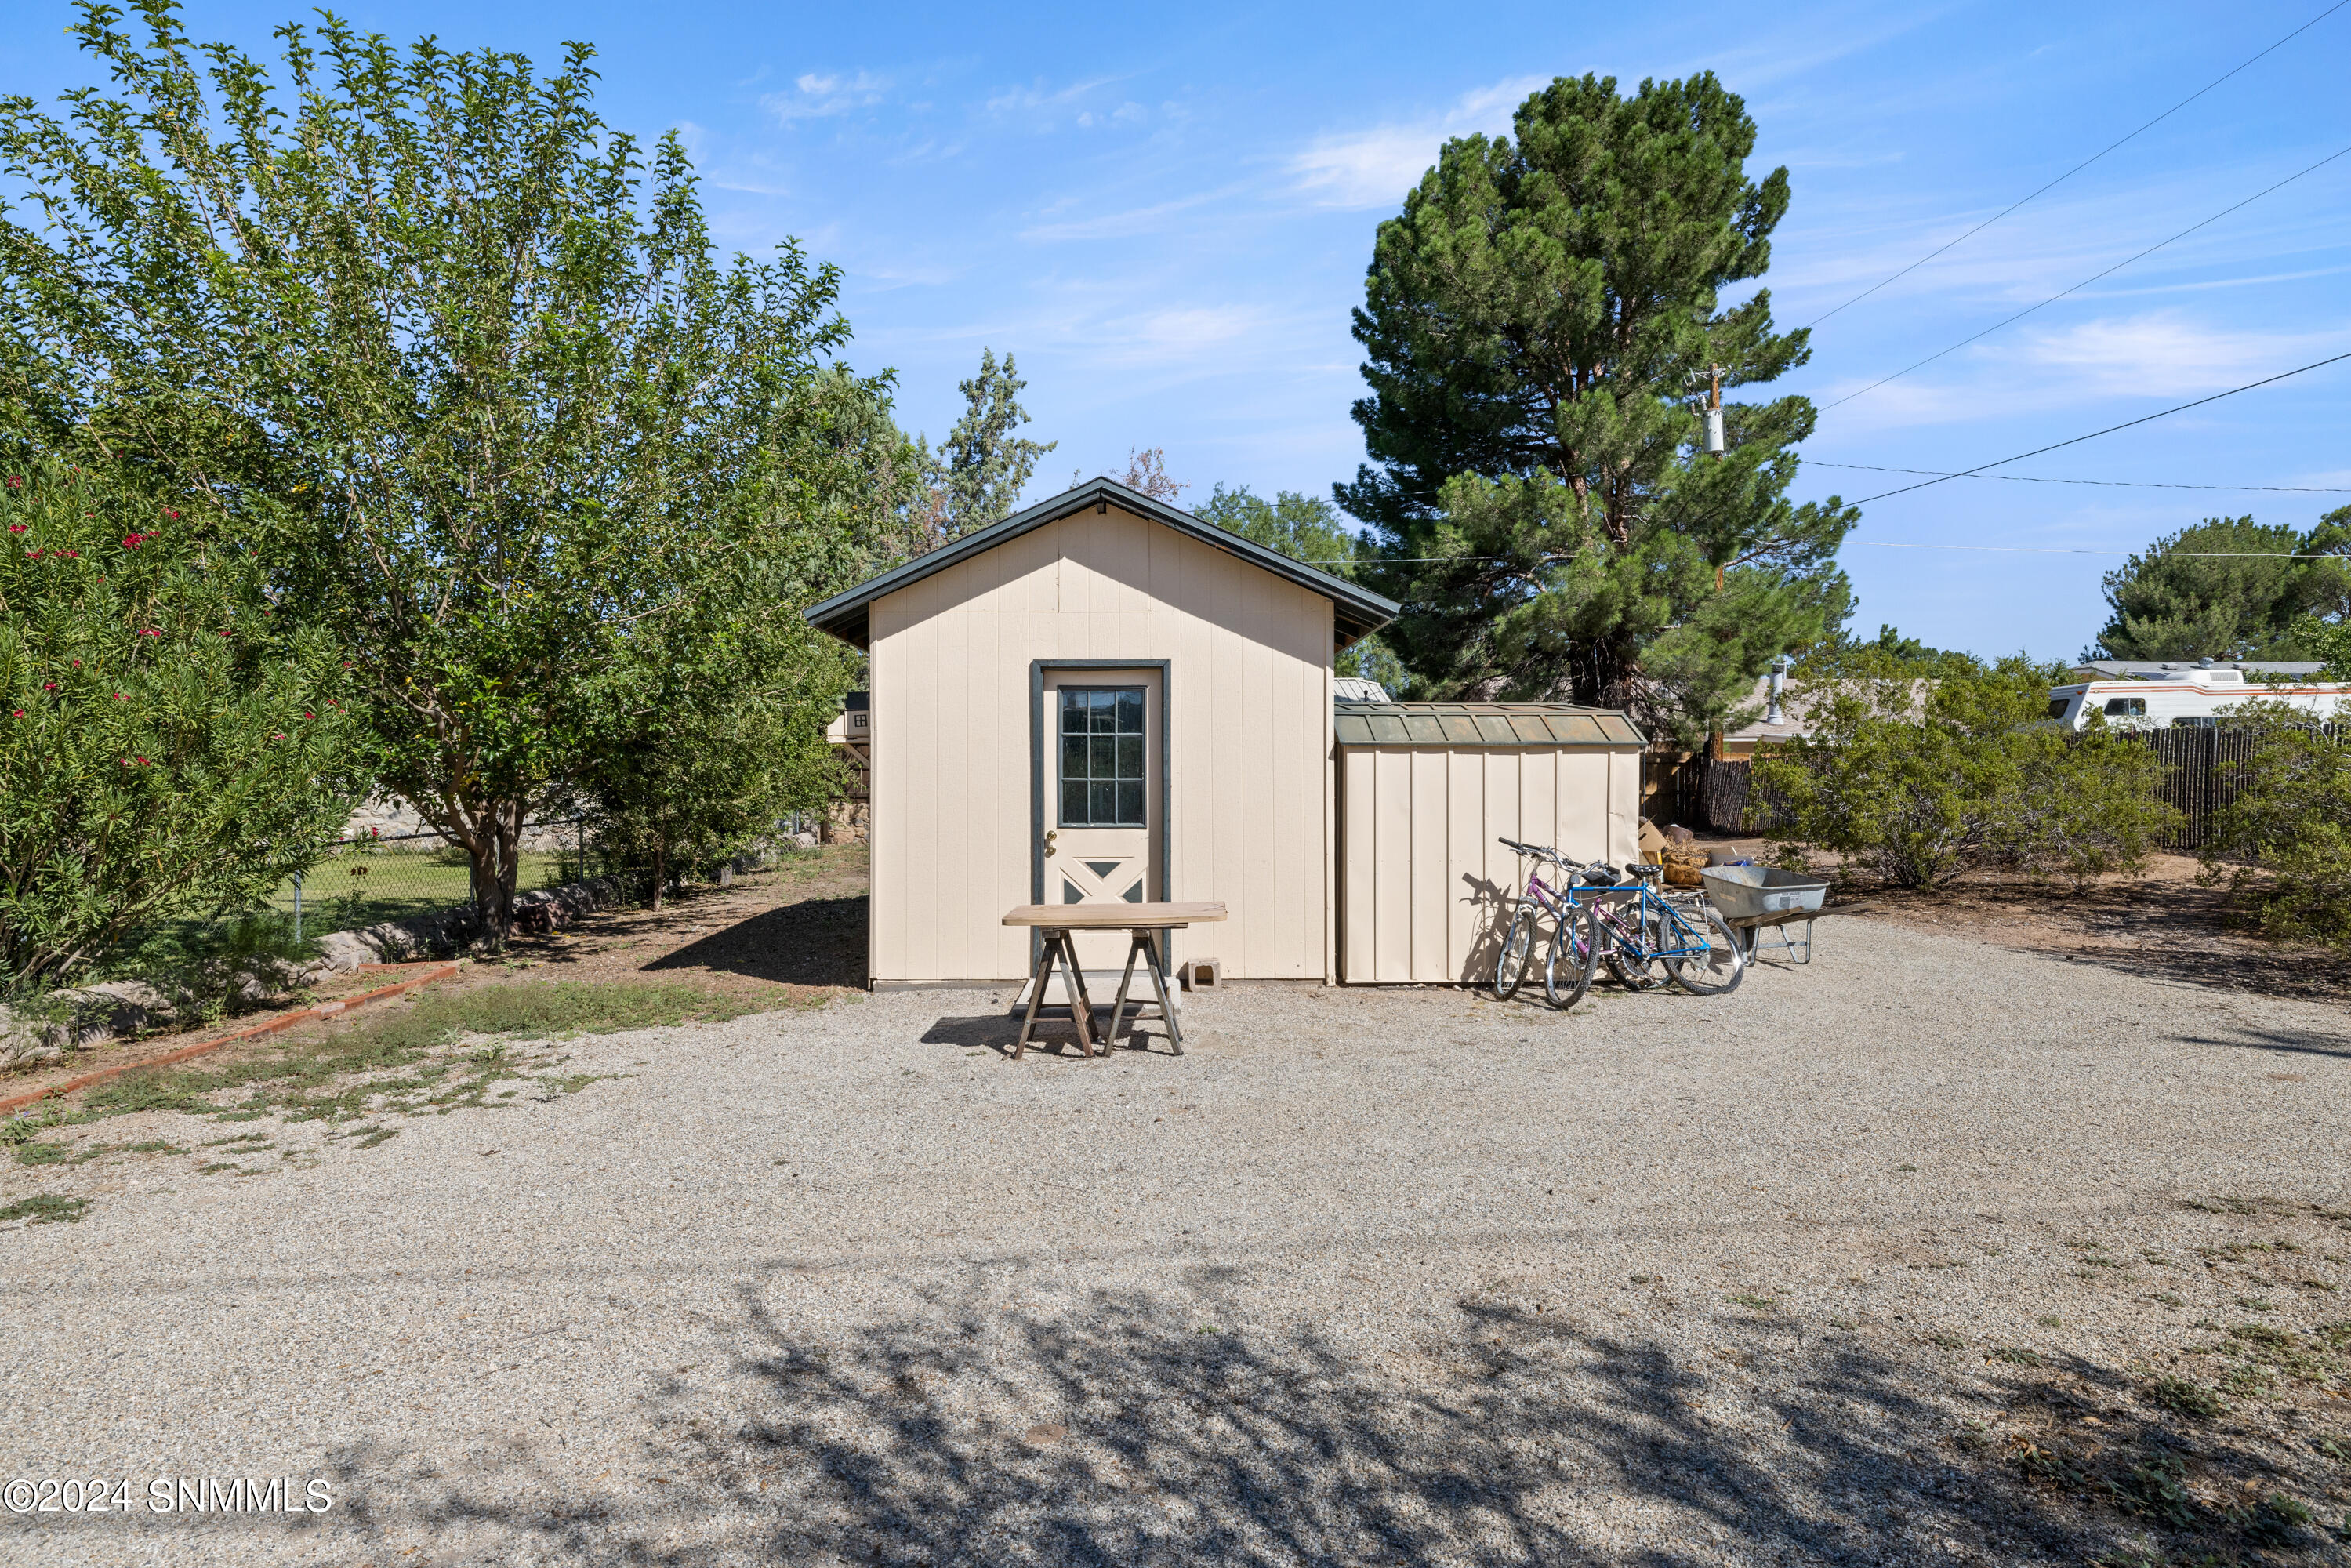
x,y
1474,725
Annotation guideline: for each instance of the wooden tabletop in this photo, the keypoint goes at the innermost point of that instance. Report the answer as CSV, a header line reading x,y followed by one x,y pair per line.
x,y
1112,916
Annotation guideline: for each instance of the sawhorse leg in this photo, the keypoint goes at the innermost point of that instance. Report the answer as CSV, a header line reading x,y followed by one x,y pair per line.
x,y
1057,947
1144,945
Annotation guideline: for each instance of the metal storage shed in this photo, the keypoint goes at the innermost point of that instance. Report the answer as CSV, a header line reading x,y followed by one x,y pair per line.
x,y
1425,790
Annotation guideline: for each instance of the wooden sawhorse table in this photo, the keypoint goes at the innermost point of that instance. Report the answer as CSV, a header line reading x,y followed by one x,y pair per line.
x,y
1058,924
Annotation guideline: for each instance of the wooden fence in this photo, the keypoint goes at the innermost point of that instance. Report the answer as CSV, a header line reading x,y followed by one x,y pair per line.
x,y
2204,769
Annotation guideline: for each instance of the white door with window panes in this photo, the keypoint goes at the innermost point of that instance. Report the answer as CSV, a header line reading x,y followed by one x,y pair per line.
x,y
1101,805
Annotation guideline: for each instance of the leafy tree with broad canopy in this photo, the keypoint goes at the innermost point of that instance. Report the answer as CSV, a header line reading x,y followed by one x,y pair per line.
x,y
1539,323
459,359
1307,529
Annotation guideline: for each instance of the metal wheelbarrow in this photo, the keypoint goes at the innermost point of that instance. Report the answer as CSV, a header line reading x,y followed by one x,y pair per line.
x,y
1757,898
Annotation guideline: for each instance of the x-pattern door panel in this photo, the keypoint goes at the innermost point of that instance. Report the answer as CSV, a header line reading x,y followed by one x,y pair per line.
x,y
1101,779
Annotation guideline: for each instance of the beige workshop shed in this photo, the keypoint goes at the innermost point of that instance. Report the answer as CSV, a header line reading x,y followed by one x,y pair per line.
x,y
1105,698
1197,667
1427,793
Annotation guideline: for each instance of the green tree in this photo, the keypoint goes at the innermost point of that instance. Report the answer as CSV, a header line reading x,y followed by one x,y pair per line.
x,y
172,748
711,717
1307,529
982,467
1539,324
463,359
2228,588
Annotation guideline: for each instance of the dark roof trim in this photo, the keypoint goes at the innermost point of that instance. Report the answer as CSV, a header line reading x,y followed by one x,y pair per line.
x,y
1356,610
1459,727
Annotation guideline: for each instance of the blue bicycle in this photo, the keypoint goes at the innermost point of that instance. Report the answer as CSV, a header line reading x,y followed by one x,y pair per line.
x,y
1644,936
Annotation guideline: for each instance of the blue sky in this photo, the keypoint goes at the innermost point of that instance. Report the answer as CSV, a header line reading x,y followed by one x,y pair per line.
x,y
1166,213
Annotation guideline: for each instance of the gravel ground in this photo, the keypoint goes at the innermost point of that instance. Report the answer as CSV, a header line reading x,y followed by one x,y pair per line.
x,y
1792,1276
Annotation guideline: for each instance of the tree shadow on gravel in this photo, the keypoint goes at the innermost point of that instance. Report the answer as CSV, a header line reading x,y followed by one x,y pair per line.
x,y
1141,1430
816,942
2294,1041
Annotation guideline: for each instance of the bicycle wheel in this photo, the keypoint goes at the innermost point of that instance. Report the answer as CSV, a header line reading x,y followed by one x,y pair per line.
x,y
1626,947
1518,952
1712,963
1574,954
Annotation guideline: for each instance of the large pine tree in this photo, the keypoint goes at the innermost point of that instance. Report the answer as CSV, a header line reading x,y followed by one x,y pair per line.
x,y
1540,323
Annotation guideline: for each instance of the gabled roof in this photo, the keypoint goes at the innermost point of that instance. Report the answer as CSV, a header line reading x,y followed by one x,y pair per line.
x,y
1356,610
1552,726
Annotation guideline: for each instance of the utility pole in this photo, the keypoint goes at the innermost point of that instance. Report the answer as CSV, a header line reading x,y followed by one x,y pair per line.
x,y
1714,443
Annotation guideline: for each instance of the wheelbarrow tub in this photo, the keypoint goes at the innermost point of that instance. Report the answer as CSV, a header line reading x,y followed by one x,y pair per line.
x,y
1760,891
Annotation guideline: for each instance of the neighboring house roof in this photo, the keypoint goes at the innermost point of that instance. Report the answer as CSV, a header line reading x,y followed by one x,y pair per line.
x,y
1796,702
1357,611
2150,669
1356,689
1466,724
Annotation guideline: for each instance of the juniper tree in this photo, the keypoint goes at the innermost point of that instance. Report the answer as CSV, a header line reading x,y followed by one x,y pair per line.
x,y
1538,323
983,466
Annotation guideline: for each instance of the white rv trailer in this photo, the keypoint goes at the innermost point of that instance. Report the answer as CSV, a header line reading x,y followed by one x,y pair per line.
x,y
2162,696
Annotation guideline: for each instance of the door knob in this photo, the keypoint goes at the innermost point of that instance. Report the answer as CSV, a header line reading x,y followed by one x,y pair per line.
x,y
1049,836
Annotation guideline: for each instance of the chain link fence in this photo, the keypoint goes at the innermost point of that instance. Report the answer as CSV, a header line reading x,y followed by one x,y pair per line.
x,y
365,881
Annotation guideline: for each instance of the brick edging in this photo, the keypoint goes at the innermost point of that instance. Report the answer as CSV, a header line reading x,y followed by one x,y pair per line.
x,y
284,1020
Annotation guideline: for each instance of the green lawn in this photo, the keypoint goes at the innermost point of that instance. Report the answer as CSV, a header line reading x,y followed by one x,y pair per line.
x,y
350,891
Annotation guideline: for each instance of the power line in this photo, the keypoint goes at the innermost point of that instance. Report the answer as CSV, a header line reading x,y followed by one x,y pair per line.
x,y
2094,277
2076,441
2085,164
2127,484
2145,555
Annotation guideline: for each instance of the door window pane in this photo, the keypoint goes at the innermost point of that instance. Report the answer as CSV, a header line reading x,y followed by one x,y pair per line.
x,y
1101,760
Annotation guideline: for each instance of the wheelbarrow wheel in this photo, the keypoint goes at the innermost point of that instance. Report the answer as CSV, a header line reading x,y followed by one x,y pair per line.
x,y
1517,954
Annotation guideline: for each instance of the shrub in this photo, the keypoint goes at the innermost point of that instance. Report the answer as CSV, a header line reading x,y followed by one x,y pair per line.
x,y
1917,779
167,752
2291,817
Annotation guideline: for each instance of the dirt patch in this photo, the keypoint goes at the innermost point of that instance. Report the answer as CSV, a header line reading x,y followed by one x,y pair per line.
x,y
2161,924
788,938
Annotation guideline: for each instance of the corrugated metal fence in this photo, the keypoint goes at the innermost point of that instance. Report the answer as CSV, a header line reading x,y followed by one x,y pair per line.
x,y
2204,768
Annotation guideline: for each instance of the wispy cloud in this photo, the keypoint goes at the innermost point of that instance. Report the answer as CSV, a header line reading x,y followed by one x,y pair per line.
x,y
2165,354
2131,358
816,95
1081,104
1376,166
1126,223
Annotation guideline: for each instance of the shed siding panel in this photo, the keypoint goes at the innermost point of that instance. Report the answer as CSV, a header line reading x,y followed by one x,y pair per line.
x,y
1426,875
1425,881
1247,735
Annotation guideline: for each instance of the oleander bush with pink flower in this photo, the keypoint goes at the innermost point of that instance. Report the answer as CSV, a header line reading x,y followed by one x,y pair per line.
x,y
170,751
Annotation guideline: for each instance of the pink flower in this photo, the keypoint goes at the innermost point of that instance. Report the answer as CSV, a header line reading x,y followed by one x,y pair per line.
x,y
142,762
77,663
306,716
16,527
20,713
150,631
171,514
48,685
16,481
228,633
120,699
